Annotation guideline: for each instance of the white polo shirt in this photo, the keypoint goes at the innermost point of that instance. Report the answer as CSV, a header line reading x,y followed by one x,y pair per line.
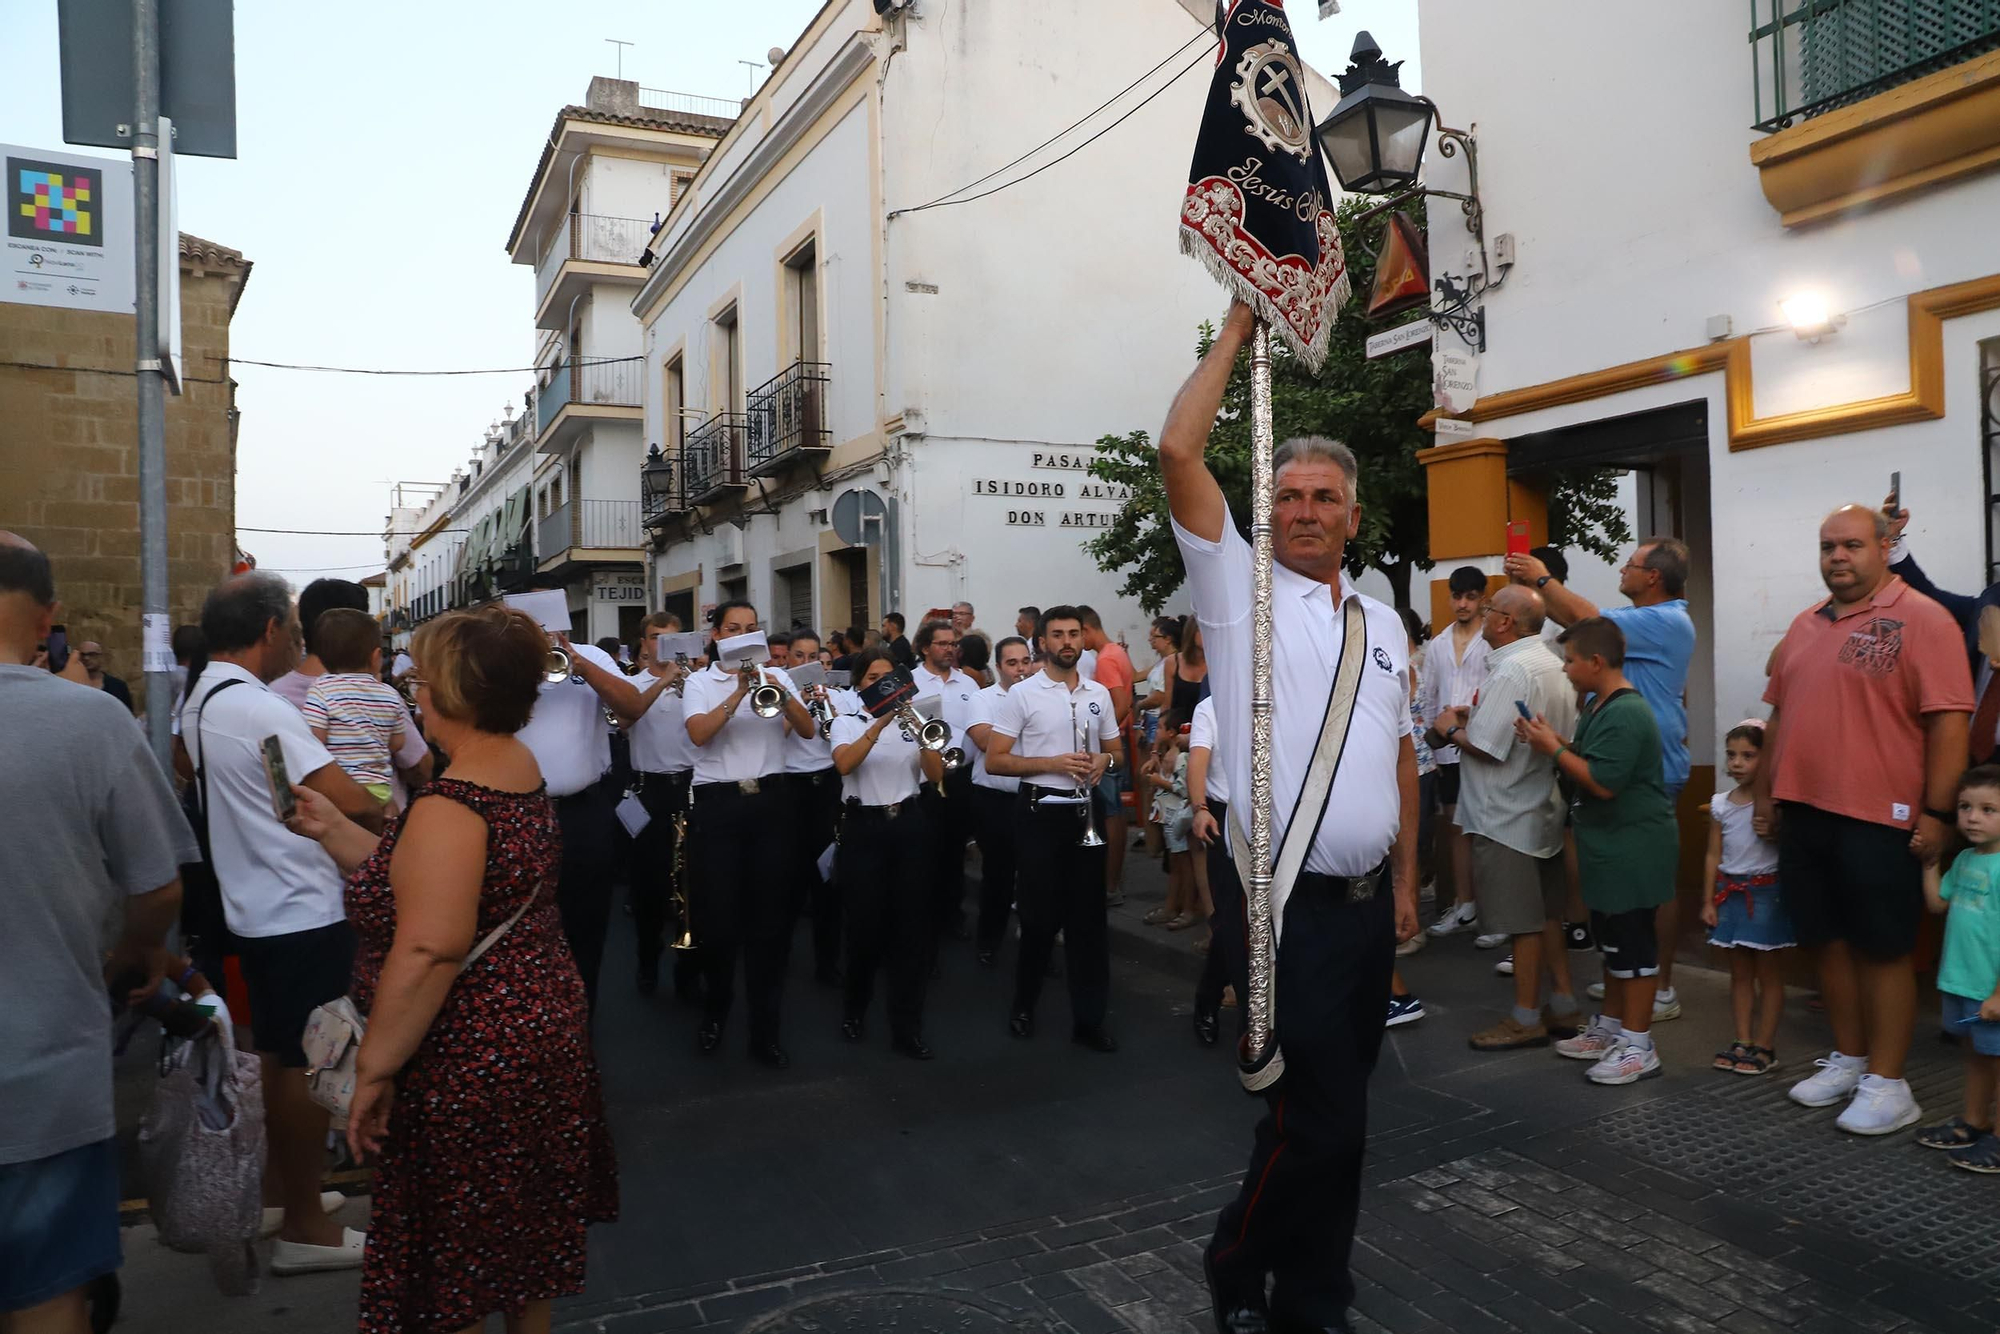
x,y
1038,714
892,770
567,731
274,882
956,691
1512,796
660,742
747,746
1450,681
1365,809
984,705
1201,732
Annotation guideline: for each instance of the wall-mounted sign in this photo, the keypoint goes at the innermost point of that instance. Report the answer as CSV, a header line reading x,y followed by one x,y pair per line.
x,y
1456,377
1064,460
68,238
618,586
1403,336
1402,272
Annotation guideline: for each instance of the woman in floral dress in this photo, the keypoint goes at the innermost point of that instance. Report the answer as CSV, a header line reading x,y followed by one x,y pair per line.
x,y
476,1091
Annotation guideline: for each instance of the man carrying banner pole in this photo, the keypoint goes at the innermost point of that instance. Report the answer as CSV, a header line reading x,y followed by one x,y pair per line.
x,y
1332,792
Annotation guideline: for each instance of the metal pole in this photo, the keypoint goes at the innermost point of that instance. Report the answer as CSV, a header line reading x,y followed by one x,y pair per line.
x,y
152,383
1258,1038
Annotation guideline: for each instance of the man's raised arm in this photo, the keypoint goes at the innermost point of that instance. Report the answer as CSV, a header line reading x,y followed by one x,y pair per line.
x,y
1192,495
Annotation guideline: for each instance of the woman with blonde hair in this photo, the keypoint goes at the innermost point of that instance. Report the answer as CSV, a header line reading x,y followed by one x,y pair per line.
x,y
476,1090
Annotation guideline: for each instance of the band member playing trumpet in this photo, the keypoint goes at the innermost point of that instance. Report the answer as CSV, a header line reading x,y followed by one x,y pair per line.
x,y
739,845
571,742
949,802
815,788
1055,731
662,767
883,848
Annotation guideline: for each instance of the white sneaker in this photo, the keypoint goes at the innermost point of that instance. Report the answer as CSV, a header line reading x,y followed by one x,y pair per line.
x,y
1880,1107
1595,991
1625,1064
297,1257
1412,945
1666,1005
1491,941
1593,1044
329,1202
1458,917
1505,968
1834,1083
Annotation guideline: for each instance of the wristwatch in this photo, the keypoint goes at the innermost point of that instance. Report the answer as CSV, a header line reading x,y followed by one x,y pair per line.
x,y
1543,582
1453,728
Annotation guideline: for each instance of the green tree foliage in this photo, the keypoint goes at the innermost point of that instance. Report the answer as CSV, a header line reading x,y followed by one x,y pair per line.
x,y
1371,405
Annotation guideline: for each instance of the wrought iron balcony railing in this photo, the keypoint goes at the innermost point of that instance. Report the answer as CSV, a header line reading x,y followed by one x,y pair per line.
x,y
788,417
1809,57
589,525
712,458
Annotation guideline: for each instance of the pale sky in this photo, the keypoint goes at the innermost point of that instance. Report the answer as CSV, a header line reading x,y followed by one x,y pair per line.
x,y
383,154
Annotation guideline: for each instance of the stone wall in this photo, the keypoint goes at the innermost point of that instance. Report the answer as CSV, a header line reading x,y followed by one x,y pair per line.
x,y
69,469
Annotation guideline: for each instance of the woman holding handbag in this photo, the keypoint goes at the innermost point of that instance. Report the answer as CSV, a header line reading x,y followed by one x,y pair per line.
x,y
474,1083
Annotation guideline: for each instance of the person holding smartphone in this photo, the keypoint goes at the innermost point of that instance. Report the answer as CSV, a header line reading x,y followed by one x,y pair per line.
x,y
1512,814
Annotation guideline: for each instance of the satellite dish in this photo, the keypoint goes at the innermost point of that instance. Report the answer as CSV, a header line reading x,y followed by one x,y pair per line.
x,y
775,56
858,516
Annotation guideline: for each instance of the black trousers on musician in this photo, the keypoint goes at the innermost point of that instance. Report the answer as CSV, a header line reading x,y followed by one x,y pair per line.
x,y
590,842
1293,1221
739,860
1229,949
881,868
1059,886
951,824
816,807
993,826
651,872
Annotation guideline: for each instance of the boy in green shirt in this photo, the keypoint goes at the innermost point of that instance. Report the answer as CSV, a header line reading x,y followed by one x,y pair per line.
x,y
1968,977
1626,844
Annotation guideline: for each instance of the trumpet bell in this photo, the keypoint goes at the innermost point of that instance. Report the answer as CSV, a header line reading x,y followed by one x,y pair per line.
x,y
934,735
556,668
954,758
1091,838
684,941
767,701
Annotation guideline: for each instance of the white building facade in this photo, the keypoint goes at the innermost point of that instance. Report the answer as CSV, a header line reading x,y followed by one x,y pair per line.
x,y
863,404
611,168
1666,207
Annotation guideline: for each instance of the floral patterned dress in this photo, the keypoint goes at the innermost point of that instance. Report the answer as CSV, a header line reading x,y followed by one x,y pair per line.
x,y
497,1156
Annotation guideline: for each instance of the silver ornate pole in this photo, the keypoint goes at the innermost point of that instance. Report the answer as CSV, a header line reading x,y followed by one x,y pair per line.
x,y
1262,943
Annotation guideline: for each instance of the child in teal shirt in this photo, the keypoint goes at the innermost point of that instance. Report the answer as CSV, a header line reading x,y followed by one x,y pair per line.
x,y
1969,972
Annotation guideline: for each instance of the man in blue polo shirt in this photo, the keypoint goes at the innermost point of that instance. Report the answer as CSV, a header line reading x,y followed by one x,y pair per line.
x,y
1659,642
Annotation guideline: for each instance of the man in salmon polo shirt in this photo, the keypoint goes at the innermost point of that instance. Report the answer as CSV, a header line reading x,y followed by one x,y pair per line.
x,y
1870,697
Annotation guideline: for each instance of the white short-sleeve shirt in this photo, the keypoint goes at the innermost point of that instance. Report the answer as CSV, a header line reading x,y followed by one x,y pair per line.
x,y
892,770
956,692
1043,716
1511,795
811,754
567,732
274,882
1365,807
660,741
1201,732
984,705
1451,680
747,746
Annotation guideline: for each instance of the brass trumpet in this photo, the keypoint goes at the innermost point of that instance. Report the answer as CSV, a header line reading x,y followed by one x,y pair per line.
x,y
685,940
931,734
557,668
820,705
1091,838
679,687
766,700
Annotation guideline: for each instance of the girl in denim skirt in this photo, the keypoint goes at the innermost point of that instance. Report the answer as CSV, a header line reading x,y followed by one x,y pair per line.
x,y
1968,979
1744,913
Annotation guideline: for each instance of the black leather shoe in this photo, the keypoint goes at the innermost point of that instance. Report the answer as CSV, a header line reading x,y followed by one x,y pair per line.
x,y
851,1029
1094,1038
913,1048
987,958
1021,1024
1235,1312
771,1054
649,975
710,1038
1207,1027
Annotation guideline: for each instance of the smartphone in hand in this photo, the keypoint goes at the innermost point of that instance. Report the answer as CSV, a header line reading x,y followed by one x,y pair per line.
x,y
58,649
1517,537
1895,493
283,802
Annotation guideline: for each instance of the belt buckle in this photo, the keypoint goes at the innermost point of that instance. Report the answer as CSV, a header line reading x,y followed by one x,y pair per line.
x,y
749,787
894,811
1360,888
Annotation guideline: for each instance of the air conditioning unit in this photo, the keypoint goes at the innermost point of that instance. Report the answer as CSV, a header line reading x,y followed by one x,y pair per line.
x,y
886,7
730,537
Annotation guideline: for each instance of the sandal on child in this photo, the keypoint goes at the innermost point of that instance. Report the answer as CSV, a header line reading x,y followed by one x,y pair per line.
x,y
1728,1060
1957,1133
1756,1061
1157,917
1183,922
1982,1155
